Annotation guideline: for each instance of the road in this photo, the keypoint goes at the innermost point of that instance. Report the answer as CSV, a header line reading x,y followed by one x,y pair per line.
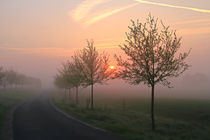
x,y
36,119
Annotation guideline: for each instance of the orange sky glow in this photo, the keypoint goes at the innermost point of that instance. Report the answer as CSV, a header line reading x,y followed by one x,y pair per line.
x,y
53,30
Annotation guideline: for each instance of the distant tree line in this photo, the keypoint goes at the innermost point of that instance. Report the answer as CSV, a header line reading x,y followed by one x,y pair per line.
x,y
13,79
151,57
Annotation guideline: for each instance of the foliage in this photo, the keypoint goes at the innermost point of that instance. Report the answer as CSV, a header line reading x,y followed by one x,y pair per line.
x,y
95,65
1,75
60,82
87,67
76,71
71,75
152,56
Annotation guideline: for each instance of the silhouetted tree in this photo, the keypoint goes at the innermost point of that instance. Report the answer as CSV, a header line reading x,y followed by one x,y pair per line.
x,y
76,73
95,67
151,56
65,73
60,82
12,78
2,75
71,75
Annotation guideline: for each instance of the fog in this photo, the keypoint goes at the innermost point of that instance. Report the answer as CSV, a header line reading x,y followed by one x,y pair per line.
x,y
194,83
37,37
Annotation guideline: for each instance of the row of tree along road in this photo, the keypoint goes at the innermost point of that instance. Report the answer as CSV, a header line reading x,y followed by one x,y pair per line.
x,y
13,79
152,57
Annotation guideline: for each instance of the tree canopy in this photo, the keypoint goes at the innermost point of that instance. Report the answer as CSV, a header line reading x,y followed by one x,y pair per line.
x,y
152,54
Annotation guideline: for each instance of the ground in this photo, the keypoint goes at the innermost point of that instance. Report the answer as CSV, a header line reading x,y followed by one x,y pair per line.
x,y
176,119
37,119
9,98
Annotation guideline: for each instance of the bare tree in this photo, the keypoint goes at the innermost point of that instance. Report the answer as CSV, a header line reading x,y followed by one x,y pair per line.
x,y
151,56
95,67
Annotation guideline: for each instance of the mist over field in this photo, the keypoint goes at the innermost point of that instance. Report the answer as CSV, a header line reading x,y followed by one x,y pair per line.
x,y
192,84
120,90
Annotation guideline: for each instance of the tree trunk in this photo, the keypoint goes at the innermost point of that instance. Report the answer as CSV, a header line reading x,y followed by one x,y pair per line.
x,y
69,94
77,101
65,93
92,96
152,109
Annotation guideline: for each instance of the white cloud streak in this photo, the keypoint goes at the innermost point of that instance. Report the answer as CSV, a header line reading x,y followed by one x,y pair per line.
x,y
83,9
107,14
173,6
81,12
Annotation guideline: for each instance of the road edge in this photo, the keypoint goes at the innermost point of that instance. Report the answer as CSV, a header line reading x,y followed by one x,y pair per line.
x,y
50,100
7,132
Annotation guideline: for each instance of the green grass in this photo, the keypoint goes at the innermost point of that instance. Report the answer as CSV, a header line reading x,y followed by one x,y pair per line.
x,y
8,99
176,119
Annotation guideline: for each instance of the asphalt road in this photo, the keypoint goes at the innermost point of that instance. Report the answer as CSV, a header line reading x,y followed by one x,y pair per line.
x,y
36,119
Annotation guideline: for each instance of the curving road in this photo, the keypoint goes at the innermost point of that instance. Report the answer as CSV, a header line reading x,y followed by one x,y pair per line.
x,y
36,119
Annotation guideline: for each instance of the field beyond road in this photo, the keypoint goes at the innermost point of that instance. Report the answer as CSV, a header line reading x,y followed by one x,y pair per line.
x,y
177,119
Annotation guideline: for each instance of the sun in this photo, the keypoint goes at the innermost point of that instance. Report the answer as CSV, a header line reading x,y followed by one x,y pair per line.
x,y
112,67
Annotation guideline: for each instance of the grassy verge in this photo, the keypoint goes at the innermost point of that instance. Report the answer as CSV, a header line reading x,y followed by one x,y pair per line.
x,y
8,99
176,119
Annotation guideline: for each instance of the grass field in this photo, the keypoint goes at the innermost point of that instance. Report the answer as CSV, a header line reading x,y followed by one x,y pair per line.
x,y
8,99
176,119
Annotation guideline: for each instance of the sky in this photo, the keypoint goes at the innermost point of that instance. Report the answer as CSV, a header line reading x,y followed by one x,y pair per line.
x,y
36,36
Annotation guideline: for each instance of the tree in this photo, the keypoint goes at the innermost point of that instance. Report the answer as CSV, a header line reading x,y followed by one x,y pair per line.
x,y
11,77
71,75
152,56
65,76
60,82
76,73
95,67
2,75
